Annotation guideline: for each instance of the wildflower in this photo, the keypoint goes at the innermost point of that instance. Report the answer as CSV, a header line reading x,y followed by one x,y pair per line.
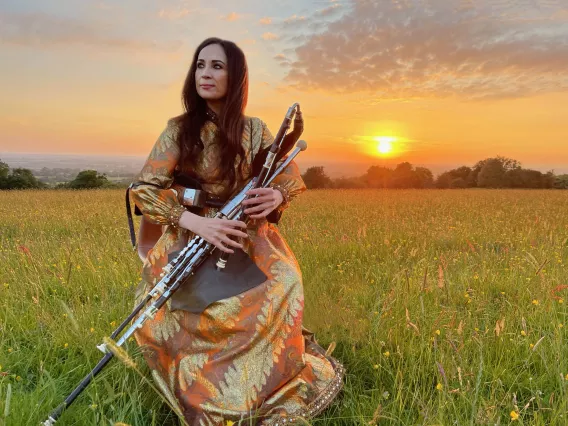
x,y
66,345
376,366
92,330
514,415
229,423
566,377
523,333
560,325
113,324
535,302
93,406
531,346
78,266
386,354
64,315
386,395
437,332
18,379
561,301
439,386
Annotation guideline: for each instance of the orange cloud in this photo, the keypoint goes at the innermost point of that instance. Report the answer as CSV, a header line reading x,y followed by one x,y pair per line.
x,y
173,14
270,36
265,21
231,17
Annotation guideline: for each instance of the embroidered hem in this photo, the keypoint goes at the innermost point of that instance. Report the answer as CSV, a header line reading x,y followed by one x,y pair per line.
x,y
320,403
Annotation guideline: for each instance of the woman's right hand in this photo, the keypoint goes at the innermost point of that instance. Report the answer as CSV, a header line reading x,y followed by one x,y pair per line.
x,y
215,231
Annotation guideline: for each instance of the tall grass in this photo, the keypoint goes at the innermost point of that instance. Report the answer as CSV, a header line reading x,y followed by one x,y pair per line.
x,y
447,307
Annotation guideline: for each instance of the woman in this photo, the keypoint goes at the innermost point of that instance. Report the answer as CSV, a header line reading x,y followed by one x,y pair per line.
x,y
246,356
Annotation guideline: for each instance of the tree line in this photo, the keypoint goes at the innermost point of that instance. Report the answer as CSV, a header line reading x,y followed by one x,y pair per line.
x,y
496,172
21,178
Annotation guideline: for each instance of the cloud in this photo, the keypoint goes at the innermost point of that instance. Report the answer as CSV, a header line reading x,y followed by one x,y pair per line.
x,y
270,36
406,48
174,14
282,60
231,17
42,30
265,21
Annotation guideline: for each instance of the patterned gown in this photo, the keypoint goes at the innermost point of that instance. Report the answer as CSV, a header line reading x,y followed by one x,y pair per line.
x,y
246,357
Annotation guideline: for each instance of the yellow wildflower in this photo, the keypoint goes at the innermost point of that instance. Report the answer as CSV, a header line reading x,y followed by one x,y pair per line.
x,y
92,330
10,350
229,423
437,332
531,346
535,302
439,386
514,415
561,301
376,366
523,333
386,354
113,324
560,325
18,379
66,345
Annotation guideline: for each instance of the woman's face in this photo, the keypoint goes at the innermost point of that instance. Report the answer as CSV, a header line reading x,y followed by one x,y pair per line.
x,y
211,76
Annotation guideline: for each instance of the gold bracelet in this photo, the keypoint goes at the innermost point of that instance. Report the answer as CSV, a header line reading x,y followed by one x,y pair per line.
x,y
175,215
285,194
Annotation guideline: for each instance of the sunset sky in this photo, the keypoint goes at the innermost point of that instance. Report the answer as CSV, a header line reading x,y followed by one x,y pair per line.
x,y
450,81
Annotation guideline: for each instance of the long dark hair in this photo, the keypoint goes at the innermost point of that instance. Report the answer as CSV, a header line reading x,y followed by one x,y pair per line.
x,y
231,119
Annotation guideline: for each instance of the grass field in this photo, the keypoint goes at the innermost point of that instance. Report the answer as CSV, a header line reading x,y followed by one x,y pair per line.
x,y
447,307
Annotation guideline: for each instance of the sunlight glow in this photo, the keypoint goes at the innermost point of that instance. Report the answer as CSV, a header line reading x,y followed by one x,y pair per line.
x,y
385,144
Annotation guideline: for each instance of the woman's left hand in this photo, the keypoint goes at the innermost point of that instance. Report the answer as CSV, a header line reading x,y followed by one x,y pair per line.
x,y
268,199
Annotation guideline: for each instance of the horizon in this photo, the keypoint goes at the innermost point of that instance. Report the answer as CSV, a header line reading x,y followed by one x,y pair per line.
x,y
81,79
133,163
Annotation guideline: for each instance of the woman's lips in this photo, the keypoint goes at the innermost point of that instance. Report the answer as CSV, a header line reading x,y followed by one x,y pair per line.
x,y
207,86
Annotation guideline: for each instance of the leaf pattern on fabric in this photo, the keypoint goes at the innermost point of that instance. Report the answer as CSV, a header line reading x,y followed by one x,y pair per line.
x,y
247,354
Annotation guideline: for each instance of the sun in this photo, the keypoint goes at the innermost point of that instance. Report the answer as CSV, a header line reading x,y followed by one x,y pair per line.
x,y
385,144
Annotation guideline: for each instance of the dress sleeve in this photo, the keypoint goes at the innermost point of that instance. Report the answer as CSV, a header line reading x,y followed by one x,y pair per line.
x,y
290,180
151,190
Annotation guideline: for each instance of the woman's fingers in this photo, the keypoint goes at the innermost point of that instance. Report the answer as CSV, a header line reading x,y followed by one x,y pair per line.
x,y
260,207
228,242
233,223
236,232
260,199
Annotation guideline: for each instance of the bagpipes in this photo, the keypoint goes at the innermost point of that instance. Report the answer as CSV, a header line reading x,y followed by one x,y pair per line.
x,y
193,270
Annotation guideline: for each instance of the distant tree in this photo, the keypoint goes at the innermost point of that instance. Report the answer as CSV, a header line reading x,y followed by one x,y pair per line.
x,y
507,164
377,177
88,179
492,174
315,177
425,178
20,178
456,178
348,183
561,182
403,176
4,170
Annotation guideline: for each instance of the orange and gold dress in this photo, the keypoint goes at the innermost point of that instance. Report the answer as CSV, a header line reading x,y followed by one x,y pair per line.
x,y
246,356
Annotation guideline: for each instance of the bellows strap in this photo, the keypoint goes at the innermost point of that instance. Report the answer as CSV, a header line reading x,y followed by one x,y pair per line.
x,y
129,215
